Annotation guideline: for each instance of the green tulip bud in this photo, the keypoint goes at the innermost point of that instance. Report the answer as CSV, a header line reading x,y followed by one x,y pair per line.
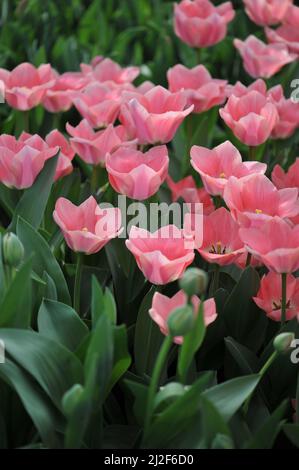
x,y
181,321
71,398
282,342
13,250
221,441
194,282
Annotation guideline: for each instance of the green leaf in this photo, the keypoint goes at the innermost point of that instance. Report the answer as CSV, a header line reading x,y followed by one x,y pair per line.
x,y
43,260
292,432
15,309
32,204
265,436
42,412
229,396
192,342
212,422
61,323
121,356
54,367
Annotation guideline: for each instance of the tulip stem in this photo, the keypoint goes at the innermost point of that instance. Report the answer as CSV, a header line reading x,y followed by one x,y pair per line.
x,y
216,278
248,259
77,287
26,127
95,178
161,359
252,153
283,297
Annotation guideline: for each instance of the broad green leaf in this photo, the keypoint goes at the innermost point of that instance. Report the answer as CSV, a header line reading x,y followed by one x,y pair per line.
x,y
265,436
121,356
43,260
61,323
292,432
229,396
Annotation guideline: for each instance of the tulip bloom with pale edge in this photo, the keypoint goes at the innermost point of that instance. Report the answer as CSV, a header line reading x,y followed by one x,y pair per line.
x,y
25,85
263,60
59,97
157,114
275,243
200,88
93,146
266,12
217,165
254,199
251,117
163,306
162,256
22,160
191,194
88,227
199,23
292,16
287,34
221,242
289,179
269,296
105,70
64,165
98,104
241,90
137,175
288,114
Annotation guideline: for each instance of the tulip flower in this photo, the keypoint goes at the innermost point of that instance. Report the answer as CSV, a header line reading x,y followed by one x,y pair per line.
x,y
263,60
162,256
88,227
292,15
23,159
254,199
99,104
199,23
137,175
289,179
221,242
288,114
105,70
251,117
157,114
216,166
266,12
275,243
190,193
64,165
93,146
25,85
60,96
201,90
269,296
287,34
163,306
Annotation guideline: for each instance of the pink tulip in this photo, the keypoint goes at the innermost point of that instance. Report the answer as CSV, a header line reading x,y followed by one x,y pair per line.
x,y
162,256
163,306
64,165
240,90
88,227
98,104
288,114
191,194
22,160
290,179
221,242
292,16
254,199
93,146
25,85
266,12
287,34
251,117
199,23
269,296
105,70
263,60
60,96
200,88
137,175
275,243
156,115
217,165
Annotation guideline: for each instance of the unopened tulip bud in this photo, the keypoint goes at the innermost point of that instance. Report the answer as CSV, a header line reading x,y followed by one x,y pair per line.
x,y
13,250
221,441
194,282
283,342
181,321
71,398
